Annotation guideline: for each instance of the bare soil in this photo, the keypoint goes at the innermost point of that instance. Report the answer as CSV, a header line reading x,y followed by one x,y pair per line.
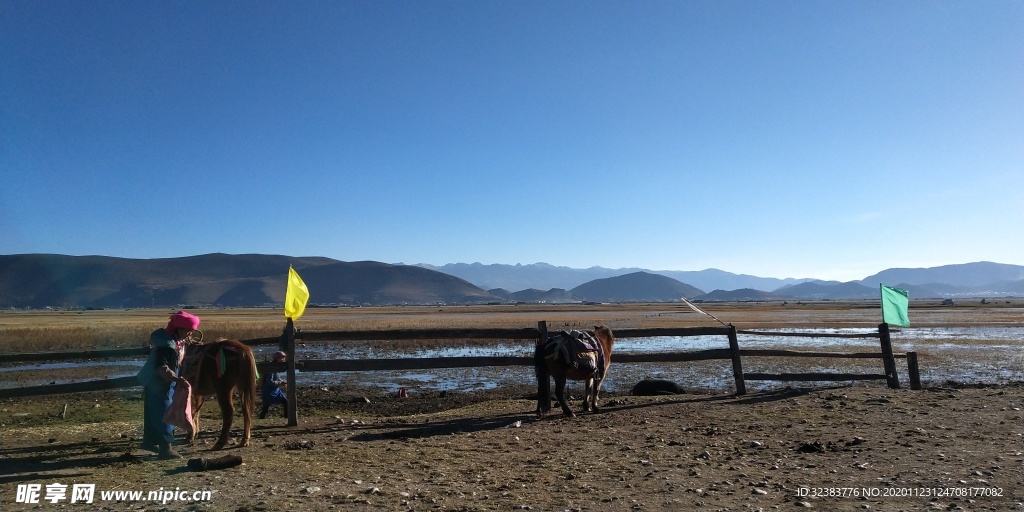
x,y
840,448
864,447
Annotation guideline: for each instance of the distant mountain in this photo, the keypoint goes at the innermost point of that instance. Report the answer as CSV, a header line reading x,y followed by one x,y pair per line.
x,y
635,287
984,279
828,290
246,280
540,276
833,290
1003,287
552,296
714,279
965,275
48,280
743,294
371,282
543,276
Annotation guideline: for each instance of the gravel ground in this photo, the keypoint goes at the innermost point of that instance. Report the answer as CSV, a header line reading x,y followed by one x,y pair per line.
x,y
838,448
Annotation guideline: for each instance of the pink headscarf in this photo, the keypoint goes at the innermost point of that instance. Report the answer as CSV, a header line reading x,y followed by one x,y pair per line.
x,y
183,320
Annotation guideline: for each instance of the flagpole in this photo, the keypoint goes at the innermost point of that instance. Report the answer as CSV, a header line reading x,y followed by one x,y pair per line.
x,y
293,409
892,378
701,311
881,298
295,297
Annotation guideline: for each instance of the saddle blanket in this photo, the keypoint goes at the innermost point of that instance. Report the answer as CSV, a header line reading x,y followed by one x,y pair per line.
x,y
575,348
179,413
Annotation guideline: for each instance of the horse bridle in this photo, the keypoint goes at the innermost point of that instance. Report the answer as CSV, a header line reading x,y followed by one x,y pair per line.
x,y
192,339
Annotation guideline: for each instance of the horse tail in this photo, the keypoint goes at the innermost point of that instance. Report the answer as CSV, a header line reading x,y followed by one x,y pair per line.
x,y
607,340
247,381
543,379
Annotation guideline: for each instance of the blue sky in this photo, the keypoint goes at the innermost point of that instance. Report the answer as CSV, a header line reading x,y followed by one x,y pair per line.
x,y
780,139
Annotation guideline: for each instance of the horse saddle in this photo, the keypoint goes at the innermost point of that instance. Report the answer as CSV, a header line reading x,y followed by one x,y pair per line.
x,y
577,348
217,353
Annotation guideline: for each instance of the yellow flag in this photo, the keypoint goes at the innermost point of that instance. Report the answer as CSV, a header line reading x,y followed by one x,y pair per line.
x,y
296,296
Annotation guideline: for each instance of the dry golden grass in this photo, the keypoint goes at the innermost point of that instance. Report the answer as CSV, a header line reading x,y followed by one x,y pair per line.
x,y
41,331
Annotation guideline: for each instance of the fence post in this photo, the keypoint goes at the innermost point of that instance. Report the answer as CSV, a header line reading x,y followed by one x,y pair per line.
x,y
915,374
543,385
737,363
293,409
888,361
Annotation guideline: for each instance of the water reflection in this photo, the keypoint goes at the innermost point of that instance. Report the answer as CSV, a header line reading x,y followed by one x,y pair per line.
x,y
980,355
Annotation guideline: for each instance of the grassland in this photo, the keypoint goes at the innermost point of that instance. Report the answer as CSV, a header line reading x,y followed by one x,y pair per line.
x,y
41,331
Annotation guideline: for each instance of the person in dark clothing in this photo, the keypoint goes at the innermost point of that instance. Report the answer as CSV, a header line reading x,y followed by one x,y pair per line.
x,y
273,389
158,377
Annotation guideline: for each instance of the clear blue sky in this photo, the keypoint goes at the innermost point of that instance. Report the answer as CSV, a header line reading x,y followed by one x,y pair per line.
x,y
828,139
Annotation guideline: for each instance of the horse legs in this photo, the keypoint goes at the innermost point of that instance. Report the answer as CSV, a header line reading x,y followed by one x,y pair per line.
x,y
597,390
247,411
590,396
560,395
197,405
227,412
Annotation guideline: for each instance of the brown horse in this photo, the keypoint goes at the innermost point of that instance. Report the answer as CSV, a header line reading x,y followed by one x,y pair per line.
x,y
218,368
561,357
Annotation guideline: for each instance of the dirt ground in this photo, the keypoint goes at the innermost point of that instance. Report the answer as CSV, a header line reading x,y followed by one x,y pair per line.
x,y
860,447
863,447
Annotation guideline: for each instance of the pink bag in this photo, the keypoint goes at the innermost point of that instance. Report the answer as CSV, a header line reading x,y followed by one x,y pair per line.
x,y
179,413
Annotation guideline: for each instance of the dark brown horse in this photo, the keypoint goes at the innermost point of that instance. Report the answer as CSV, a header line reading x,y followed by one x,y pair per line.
x,y
218,368
562,357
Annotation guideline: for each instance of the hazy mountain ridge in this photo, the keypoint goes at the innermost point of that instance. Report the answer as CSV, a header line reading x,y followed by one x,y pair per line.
x,y
981,279
970,275
635,287
538,276
48,280
543,276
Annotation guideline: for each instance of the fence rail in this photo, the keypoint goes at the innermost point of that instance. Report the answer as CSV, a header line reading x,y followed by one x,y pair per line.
x,y
733,353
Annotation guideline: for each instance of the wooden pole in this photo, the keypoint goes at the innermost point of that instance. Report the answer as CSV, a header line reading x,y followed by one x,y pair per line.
x,y
888,361
915,374
293,409
543,385
737,363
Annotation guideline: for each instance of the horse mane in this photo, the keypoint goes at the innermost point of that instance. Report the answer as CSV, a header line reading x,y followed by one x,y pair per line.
x,y
604,333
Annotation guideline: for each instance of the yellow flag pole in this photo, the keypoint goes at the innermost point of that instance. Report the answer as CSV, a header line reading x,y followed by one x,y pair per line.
x,y
295,298
293,409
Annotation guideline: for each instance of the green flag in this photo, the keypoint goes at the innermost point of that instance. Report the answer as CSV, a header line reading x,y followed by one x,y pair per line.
x,y
895,303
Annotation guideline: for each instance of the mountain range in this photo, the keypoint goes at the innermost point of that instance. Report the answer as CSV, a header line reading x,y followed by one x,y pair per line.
x,y
252,280
544,276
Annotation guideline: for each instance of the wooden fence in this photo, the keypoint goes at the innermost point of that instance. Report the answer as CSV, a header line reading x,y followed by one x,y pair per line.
x,y
732,353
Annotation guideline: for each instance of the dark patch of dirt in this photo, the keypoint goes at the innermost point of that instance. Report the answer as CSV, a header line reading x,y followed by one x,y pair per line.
x,y
836,448
373,402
